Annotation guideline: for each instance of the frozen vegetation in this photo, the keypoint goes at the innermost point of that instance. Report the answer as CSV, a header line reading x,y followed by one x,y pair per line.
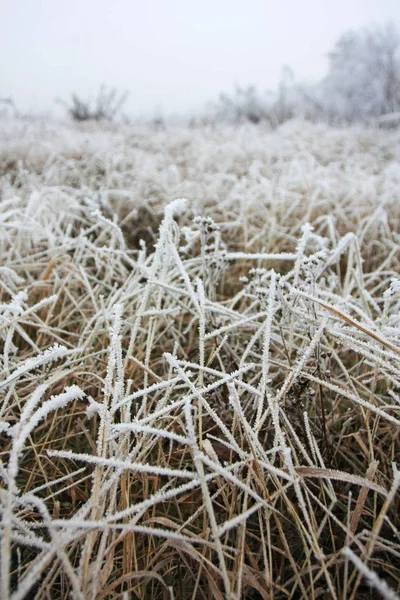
x,y
200,362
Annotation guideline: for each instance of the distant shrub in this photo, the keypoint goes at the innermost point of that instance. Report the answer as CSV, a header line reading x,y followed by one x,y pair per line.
x,y
7,107
246,104
107,105
290,99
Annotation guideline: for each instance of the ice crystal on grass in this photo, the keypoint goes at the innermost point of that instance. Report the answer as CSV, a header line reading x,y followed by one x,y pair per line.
x,y
199,397
53,353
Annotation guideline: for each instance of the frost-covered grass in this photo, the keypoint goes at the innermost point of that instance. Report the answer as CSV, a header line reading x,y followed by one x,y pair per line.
x,y
199,398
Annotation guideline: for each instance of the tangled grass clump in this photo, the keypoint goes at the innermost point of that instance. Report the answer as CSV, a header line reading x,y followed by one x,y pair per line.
x,y
199,397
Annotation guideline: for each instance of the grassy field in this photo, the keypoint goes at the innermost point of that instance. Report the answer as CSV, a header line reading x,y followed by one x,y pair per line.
x,y
200,373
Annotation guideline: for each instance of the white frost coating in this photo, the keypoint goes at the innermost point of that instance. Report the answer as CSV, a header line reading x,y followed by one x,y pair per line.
x,y
239,519
175,208
395,285
11,275
94,408
71,393
374,581
4,426
138,428
215,382
53,353
122,464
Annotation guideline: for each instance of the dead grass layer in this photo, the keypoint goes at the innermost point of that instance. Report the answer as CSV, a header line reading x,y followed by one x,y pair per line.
x,y
200,398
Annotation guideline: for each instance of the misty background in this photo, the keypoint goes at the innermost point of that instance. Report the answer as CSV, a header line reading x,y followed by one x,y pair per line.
x,y
173,56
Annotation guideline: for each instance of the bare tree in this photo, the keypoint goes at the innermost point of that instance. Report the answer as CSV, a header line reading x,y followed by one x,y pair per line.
x,y
364,75
363,83
246,104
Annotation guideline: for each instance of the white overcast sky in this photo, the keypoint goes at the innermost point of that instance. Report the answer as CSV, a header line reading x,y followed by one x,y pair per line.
x,y
173,55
